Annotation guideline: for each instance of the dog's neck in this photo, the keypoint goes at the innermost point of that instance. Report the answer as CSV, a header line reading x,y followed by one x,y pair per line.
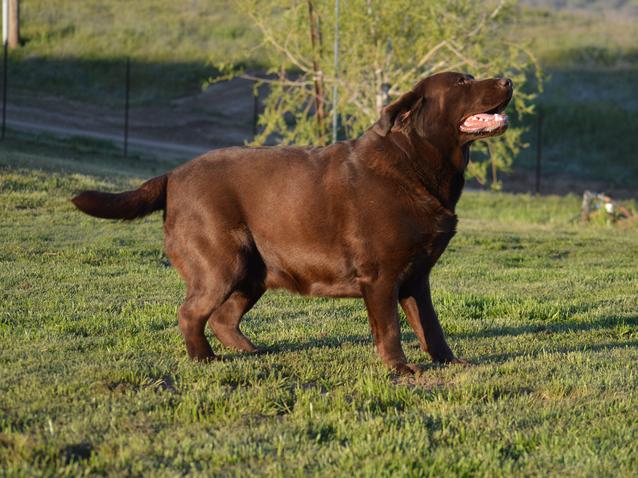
x,y
437,168
444,171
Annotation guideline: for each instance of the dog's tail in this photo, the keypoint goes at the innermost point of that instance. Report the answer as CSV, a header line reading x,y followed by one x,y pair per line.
x,y
151,196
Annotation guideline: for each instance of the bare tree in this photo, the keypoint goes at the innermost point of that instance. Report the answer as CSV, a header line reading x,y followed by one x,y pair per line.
x,y
14,23
385,47
317,52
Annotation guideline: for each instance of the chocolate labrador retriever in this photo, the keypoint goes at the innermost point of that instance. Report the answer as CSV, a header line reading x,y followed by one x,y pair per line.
x,y
362,218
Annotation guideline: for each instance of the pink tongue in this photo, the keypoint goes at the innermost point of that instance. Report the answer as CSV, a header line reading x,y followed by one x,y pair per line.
x,y
482,117
483,121
478,121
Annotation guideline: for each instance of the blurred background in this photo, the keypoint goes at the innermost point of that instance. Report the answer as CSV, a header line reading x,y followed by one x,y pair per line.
x,y
179,76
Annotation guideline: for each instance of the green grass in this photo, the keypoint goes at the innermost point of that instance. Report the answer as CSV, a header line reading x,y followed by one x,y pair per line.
x,y
580,39
589,102
78,49
576,146
95,380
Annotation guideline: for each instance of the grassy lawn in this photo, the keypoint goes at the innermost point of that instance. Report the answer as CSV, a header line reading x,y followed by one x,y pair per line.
x,y
589,101
95,380
77,49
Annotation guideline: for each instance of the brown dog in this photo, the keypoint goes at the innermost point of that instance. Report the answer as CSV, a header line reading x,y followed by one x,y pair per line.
x,y
363,218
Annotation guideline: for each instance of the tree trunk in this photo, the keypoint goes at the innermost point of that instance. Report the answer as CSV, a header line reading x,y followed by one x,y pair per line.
x,y
315,38
14,23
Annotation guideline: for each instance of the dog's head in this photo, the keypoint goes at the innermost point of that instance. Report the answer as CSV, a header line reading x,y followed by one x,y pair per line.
x,y
453,105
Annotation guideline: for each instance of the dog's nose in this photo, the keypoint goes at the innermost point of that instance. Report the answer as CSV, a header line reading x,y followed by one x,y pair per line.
x,y
505,83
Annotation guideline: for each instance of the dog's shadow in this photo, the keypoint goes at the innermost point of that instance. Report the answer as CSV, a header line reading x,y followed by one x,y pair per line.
x,y
409,340
551,327
609,323
286,346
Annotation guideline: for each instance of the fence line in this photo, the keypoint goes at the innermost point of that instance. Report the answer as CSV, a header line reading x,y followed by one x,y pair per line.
x,y
127,88
5,76
188,148
539,146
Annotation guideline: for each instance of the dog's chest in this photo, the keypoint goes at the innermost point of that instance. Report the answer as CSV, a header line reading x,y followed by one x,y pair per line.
x,y
437,230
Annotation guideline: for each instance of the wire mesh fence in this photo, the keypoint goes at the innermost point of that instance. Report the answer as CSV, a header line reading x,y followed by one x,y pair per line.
x,y
125,114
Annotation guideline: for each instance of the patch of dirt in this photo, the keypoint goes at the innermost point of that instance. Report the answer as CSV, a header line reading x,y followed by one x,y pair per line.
x,y
220,116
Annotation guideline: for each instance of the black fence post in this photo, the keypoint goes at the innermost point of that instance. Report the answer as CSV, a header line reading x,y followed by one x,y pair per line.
x,y
539,146
5,75
126,104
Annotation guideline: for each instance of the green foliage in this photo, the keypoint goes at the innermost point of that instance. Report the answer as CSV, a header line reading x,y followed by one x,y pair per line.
x,y
385,47
95,380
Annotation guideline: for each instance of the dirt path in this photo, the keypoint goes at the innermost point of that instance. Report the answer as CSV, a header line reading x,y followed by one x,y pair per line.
x,y
220,116
161,148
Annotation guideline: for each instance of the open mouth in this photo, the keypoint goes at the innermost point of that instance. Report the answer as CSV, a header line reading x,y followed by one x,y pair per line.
x,y
484,124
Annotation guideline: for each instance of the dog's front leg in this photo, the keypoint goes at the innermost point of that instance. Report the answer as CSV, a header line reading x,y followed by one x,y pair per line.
x,y
416,302
381,303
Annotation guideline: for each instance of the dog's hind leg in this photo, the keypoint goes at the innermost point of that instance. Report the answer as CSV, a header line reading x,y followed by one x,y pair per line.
x,y
211,274
193,314
224,322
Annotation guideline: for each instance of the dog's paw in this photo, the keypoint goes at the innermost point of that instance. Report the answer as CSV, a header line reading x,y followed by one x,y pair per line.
x,y
208,359
407,368
449,359
452,361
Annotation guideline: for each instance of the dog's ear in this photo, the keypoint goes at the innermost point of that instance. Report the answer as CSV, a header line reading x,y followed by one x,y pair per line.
x,y
395,115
